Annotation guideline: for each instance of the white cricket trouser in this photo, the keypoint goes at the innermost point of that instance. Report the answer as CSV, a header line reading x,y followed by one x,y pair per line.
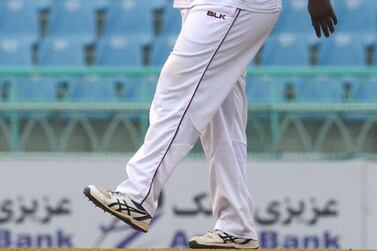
x,y
201,93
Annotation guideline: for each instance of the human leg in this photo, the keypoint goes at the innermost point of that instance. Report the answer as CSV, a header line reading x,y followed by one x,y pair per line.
x,y
224,143
208,58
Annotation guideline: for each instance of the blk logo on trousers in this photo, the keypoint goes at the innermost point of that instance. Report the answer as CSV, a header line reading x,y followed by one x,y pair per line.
x,y
215,15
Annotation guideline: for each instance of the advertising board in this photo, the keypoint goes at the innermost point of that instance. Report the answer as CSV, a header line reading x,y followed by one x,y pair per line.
x,y
298,204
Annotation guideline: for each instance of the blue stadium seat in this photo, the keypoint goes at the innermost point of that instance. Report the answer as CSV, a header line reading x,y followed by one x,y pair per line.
x,y
286,49
320,89
172,22
342,49
93,89
73,18
19,18
357,16
15,52
260,89
129,17
161,49
119,50
62,52
36,89
367,90
294,17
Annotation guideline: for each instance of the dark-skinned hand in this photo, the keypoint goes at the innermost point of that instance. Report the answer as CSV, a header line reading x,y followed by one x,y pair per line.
x,y
323,16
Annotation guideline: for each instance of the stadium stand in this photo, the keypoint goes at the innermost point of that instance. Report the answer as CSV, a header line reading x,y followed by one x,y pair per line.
x,y
128,33
73,20
78,20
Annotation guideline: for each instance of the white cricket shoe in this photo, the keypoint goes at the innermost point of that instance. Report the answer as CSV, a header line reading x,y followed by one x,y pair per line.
x,y
219,239
121,206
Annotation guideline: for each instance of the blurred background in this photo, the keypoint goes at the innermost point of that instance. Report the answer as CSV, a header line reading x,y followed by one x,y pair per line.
x,y
76,81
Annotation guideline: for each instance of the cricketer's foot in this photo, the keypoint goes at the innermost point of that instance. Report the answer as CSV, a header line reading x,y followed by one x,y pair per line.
x,y
219,239
121,206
